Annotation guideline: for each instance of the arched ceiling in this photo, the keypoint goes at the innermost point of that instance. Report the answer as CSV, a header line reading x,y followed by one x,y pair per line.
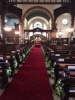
x,y
37,18
11,16
38,12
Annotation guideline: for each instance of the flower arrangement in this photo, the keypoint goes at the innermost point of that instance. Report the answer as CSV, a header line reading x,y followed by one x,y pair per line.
x,y
51,68
52,72
47,59
43,51
15,64
20,58
8,71
23,55
49,63
59,89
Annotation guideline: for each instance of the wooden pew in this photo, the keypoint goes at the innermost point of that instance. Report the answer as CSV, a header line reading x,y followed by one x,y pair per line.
x,y
59,66
69,64
68,85
4,67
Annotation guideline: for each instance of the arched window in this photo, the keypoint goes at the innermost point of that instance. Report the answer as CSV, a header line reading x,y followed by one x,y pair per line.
x,y
38,24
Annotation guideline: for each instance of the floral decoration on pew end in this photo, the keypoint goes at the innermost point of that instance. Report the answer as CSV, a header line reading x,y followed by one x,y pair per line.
x,y
23,55
59,89
15,63
20,58
8,70
51,68
47,59
52,72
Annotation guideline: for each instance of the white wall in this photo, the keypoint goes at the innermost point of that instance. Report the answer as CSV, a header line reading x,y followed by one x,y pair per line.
x,y
48,7
63,27
51,9
56,6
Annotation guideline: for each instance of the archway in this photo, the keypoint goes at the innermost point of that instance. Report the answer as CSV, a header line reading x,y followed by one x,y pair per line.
x,y
40,13
37,8
11,21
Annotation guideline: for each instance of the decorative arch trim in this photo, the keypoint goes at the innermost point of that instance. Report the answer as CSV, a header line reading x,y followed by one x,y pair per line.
x,y
37,7
14,15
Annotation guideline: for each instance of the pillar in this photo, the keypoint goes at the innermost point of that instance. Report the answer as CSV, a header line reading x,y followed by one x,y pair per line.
x,y
21,30
72,13
54,31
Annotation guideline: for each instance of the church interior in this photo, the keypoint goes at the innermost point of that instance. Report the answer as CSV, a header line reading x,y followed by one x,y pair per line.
x,y
37,50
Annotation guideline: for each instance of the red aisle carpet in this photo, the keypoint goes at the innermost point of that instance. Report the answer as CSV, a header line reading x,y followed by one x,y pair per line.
x,y
31,81
37,45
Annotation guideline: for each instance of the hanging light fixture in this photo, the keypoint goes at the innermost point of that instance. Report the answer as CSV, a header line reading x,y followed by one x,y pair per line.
x,y
16,32
71,29
7,28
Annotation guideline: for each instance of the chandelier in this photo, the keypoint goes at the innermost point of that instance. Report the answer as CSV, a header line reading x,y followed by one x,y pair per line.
x,y
16,32
7,28
71,29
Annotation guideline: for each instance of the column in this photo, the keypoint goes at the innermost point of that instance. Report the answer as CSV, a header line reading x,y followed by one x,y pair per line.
x,y
41,36
33,36
0,24
21,30
28,37
1,35
54,30
72,13
2,18
46,34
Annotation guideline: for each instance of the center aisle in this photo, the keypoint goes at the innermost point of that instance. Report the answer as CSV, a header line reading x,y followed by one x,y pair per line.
x,y
31,81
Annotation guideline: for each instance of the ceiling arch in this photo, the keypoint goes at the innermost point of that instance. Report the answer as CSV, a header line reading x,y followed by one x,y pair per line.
x,y
39,19
38,12
12,16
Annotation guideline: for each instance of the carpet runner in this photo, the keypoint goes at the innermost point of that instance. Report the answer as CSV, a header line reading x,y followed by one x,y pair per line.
x,y
31,81
37,45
